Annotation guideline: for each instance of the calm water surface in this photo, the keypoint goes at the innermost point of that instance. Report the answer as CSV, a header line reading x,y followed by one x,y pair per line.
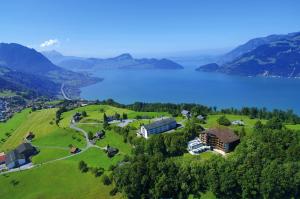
x,y
223,91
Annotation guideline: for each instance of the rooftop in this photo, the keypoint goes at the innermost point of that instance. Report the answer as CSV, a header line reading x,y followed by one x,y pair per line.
x,y
13,156
24,147
159,123
224,134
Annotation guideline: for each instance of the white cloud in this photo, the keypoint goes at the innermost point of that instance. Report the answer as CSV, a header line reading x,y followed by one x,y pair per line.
x,y
50,42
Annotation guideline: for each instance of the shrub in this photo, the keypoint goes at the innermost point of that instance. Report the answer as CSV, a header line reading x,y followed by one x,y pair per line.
x,y
224,121
106,180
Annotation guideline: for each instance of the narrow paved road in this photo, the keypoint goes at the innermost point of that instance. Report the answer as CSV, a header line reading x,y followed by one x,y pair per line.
x,y
63,92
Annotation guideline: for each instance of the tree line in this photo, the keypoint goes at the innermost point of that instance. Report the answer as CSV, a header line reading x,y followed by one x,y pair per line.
x,y
266,164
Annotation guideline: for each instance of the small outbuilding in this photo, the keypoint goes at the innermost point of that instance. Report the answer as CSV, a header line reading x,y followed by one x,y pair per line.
x,y
29,136
74,150
186,113
99,134
238,122
111,151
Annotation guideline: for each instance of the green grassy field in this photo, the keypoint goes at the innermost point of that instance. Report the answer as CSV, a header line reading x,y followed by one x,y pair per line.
x,y
187,158
42,124
11,125
95,113
61,179
249,123
111,138
293,126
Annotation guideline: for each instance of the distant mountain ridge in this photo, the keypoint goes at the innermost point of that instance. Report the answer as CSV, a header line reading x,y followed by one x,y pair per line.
x,y
275,55
25,68
123,61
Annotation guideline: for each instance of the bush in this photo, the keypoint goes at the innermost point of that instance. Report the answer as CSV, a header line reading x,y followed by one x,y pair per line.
x,y
106,180
83,167
114,191
97,171
224,121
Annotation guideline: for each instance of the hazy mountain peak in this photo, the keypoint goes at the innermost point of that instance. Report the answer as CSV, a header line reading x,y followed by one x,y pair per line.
x,y
124,56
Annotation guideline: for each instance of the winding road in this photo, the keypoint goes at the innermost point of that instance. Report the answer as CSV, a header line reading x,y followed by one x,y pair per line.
x,y
63,92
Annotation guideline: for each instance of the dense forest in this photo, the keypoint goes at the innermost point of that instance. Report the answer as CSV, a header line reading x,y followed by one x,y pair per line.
x,y
266,164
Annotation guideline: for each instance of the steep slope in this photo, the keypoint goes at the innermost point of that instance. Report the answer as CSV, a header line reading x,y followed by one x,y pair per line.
x,y
24,82
124,61
249,46
280,57
30,69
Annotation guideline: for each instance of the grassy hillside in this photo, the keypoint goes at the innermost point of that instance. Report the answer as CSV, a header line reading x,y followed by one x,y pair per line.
x,y
11,125
42,124
59,180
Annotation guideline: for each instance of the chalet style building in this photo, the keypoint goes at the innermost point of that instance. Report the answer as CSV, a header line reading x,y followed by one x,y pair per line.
x,y
157,127
222,139
20,156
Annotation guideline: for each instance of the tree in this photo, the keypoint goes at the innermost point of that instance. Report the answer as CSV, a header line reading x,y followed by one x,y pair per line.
x,y
90,135
224,121
83,166
124,116
106,180
98,171
84,114
105,119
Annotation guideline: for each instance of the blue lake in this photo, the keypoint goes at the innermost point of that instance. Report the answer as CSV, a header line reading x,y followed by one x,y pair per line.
x,y
211,89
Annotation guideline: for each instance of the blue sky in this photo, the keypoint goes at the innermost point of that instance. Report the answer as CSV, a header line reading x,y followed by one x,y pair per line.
x,y
154,27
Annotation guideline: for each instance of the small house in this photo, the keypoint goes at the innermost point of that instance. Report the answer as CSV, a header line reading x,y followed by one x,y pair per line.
x,y
186,113
29,136
238,122
74,150
111,151
77,117
2,158
200,117
99,134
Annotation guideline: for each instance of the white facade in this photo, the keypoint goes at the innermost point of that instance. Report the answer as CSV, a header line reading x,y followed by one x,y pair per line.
x,y
16,163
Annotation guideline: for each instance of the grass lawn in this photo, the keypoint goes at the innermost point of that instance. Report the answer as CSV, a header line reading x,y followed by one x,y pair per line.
x,y
249,123
95,113
11,125
187,158
293,126
46,134
206,195
47,154
59,180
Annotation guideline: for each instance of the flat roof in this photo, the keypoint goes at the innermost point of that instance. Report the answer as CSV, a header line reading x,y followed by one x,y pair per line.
x,y
159,123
